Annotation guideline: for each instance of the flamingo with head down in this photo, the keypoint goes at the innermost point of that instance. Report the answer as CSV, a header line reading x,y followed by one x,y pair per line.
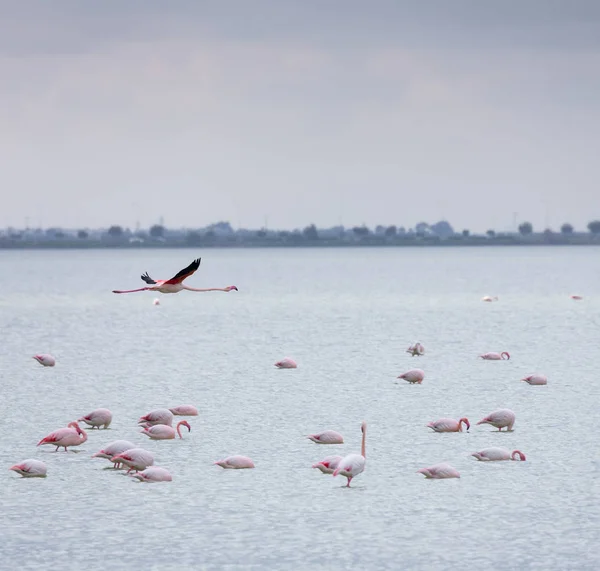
x,y
235,463
286,363
327,437
30,468
113,449
501,418
97,418
416,350
157,416
73,435
352,465
45,359
497,454
449,425
164,432
136,459
329,464
175,284
184,410
439,472
153,474
496,356
413,376
536,380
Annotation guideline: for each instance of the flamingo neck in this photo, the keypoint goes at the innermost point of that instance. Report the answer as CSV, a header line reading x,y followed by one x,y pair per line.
x,y
204,289
465,421
362,447
519,454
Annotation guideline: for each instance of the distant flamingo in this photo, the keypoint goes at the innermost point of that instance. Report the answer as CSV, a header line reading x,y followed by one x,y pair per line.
x,y
439,472
30,468
536,380
45,359
73,435
175,284
327,437
496,454
235,463
156,301
286,363
97,418
164,432
416,350
577,297
184,410
413,376
489,298
136,458
495,356
158,416
354,464
153,474
113,449
328,464
501,418
449,425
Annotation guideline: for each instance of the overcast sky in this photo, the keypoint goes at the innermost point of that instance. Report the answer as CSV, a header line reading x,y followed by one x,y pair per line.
x,y
299,111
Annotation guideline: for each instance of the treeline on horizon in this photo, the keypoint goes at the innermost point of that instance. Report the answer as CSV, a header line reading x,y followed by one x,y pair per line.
x,y
222,234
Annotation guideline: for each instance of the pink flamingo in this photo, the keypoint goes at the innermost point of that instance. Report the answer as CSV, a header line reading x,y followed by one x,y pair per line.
x,y
496,454
184,410
73,435
354,464
577,297
327,437
30,468
413,376
501,418
113,449
164,432
416,350
153,474
328,465
45,359
97,418
495,356
175,284
158,416
536,380
136,458
439,472
449,425
235,463
489,298
286,363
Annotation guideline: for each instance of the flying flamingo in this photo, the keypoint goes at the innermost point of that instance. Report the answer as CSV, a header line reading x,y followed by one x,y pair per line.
x,y
536,380
496,356
45,359
286,363
175,284
73,435
113,449
501,418
158,416
353,464
153,474
496,454
235,463
327,437
449,425
164,432
30,468
97,418
136,458
328,465
439,472
416,350
184,410
413,376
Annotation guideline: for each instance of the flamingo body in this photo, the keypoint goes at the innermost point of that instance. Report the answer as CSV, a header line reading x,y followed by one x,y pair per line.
x,y
97,418
329,464
73,435
327,437
439,472
30,468
113,449
286,363
164,432
235,463
352,465
136,458
495,356
577,297
153,474
449,425
45,359
416,350
498,454
184,410
413,376
536,380
501,418
158,416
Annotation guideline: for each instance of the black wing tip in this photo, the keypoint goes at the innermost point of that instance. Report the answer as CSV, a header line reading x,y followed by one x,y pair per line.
x,y
147,278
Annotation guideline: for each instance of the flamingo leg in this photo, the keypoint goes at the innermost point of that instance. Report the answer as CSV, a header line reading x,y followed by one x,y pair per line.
x,y
130,290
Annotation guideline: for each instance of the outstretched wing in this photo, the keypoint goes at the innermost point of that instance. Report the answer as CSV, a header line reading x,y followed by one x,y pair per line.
x,y
147,278
185,273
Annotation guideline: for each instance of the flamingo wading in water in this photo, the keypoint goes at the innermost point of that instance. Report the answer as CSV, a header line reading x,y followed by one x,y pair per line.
x,y
164,432
327,437
449,425
536,380
158,416
235,463
496,356
30,468
440,472
184,410
97,418
416,350
45,359
111,450
286,363
501,418
328,465
73,435
175,284
153,474
413,376
353,464
496,454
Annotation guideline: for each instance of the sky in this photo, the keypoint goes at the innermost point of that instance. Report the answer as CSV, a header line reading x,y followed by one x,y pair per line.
x,y
284,113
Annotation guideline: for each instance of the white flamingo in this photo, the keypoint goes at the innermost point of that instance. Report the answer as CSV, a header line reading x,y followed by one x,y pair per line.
x,y
354,464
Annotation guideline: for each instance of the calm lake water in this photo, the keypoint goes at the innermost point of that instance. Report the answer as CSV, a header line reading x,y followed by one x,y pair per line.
x,y
346,316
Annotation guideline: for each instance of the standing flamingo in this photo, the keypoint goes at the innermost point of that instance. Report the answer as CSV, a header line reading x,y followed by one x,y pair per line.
x,y
113,449
353,464
449,425
158,416
495,356
164,432
327,437
45,359
536,380
501,418
136,458
413,376
235,463
30,468
97,418
329,464
73,435
286,363
175,284
153,474
496,454
416,350
184,410
439,472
